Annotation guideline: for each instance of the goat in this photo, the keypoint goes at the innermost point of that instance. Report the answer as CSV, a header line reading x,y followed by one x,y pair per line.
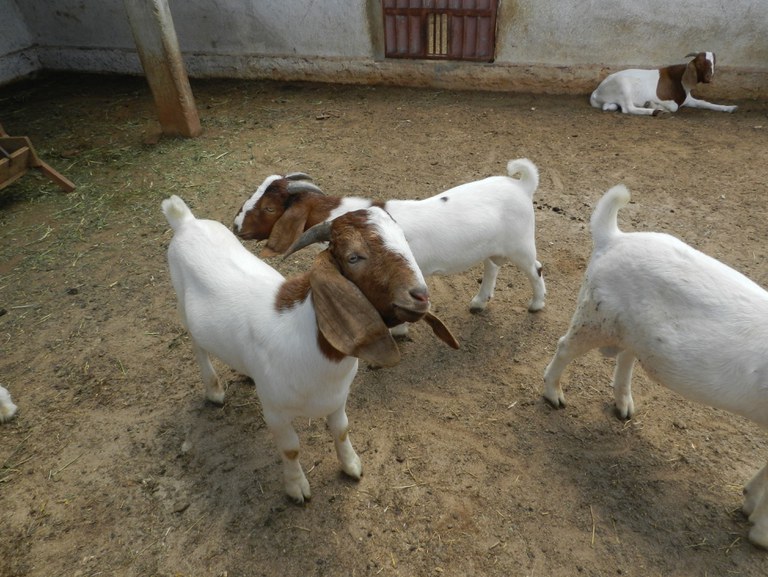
x,y
7,408
298,339
696,325
490,220
651,92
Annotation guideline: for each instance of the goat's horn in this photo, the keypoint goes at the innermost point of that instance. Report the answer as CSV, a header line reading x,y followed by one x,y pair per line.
x,y
691,54
303,186
297,176
319,233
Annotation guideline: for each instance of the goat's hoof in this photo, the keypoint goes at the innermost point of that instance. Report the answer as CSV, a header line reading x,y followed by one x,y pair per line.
x,y
623,414
299,501
625,410
534,308
299,492
216,399
354,469
557,403
758,535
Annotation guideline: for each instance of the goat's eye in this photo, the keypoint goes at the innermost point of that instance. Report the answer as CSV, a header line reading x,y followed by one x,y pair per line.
x,y
353,258
269,209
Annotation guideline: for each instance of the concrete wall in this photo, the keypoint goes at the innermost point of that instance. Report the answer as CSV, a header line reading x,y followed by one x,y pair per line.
x,y
542,45
18,57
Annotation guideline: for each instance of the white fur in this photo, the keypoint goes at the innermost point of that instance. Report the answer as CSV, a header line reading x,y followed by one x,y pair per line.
x,y
696,325
633,91
490,221
7,408
227,301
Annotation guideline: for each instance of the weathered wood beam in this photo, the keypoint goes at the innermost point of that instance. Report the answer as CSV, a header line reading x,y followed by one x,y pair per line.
x,y
160,56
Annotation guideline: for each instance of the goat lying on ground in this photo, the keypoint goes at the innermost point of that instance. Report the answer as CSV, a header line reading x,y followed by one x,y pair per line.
x,y
650,92
7,408
298,339
490,220
696,325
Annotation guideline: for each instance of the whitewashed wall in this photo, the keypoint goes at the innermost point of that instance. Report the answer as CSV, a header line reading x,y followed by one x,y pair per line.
x,y
542,45
18,56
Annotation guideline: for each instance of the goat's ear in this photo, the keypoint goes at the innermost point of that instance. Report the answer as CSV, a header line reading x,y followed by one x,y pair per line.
x,y
691,75
441,331
345,317
287,229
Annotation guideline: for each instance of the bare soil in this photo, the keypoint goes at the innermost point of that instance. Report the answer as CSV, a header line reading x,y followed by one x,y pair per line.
x,y
115,464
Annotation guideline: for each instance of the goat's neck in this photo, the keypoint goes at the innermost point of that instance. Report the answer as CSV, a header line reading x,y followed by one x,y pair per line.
x,y
672,84
321,209
292,294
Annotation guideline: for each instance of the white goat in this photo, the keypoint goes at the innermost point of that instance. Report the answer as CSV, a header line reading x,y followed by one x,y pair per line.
x,y
7,408
300,351
490,220
650,92
696,325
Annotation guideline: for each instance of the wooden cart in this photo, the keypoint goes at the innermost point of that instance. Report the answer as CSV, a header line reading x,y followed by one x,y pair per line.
x,y
17,156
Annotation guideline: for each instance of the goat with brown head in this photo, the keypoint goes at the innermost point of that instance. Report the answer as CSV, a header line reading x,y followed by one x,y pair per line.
x,y
297,338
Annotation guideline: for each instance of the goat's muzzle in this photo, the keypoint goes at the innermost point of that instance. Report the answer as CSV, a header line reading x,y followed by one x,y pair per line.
x,y
416,307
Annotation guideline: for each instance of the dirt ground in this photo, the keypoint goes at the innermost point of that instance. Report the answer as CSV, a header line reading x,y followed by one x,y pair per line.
x,y
115,464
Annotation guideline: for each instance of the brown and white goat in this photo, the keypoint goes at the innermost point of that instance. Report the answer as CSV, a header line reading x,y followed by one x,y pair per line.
x,y
651,92
490,221
298,339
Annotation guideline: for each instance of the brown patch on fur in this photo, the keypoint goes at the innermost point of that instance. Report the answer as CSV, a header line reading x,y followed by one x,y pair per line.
x,y
675,80
670,86
291,455
292,292
273,204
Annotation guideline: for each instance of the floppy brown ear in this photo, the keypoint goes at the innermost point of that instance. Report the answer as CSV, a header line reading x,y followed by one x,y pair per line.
x,y
345,317
287,229
691,75
441,331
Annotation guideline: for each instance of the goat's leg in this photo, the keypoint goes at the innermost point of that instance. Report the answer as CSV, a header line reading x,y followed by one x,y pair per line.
x,y
339,426
692,102
214,391
287,441
525,260
569,347
630,108
622,384
757,504
480,300
755,491
536,279
626,101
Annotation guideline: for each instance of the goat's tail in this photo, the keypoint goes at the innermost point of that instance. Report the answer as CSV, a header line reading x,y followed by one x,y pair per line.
x,y
529,174
176,211
604,222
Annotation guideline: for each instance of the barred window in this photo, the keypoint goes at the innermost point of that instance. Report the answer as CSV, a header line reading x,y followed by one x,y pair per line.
x,y
440,29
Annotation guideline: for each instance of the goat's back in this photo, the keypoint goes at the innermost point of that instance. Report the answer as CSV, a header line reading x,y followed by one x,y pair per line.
x,y
696,325
453,230
216,281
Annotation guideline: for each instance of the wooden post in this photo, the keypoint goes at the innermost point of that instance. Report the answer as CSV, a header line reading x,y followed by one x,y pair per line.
x,y
160,56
